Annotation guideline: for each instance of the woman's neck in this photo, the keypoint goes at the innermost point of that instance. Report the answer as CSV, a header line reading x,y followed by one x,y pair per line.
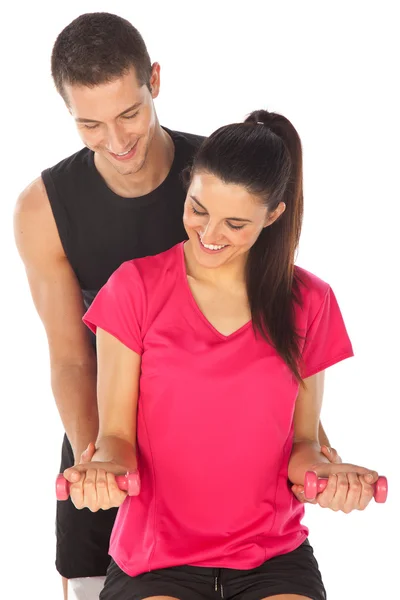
x,y
227,275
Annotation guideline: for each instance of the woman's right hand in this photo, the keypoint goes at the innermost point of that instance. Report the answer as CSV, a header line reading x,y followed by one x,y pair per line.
x,y
93,484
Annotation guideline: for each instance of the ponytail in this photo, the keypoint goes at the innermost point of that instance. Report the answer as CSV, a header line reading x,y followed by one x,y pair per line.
x,y
271,285
264,155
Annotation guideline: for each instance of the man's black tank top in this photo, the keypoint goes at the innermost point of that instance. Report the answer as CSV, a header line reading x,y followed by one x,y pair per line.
x,y
99,230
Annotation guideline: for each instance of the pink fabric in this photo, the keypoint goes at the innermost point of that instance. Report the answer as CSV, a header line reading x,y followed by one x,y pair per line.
x,y
215,421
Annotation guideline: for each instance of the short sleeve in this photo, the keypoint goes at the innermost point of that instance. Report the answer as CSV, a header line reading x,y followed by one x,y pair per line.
x,y
327,341
118,308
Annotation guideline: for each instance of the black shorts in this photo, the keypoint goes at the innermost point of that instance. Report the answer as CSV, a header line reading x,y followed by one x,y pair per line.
x,y
83,537
293,573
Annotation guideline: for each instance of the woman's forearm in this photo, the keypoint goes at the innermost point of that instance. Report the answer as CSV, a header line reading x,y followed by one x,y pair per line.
x,y
322,437
305,455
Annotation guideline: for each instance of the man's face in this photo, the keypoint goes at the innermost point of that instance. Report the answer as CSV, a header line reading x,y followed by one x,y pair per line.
x,y
116,120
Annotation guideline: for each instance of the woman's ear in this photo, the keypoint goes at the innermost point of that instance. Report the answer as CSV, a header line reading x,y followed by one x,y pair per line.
x,y
274,215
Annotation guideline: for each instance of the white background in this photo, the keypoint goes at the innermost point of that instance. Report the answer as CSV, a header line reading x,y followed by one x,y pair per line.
x,y
330,67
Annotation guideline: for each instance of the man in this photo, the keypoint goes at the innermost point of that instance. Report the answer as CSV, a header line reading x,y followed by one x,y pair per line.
x,y
119,198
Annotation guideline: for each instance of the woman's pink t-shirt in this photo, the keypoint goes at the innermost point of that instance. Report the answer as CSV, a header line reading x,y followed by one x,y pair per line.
x,y
215,421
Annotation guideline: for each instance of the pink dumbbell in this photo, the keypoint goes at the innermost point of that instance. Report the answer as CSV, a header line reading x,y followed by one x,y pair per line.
x,y
314,485
129,483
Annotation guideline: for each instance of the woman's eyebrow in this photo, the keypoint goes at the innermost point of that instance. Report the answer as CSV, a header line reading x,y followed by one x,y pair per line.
x,y
228,218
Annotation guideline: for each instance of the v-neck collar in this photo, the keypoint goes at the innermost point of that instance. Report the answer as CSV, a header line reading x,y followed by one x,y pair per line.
x,y
196,306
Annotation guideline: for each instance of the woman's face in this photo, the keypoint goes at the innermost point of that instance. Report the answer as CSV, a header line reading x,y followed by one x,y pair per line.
x,y
223,220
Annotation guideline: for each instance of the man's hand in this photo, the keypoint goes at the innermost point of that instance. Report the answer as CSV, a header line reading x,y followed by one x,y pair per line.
x,y
87,454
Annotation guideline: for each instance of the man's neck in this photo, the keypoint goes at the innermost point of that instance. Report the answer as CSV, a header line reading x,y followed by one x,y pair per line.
x,y
154,171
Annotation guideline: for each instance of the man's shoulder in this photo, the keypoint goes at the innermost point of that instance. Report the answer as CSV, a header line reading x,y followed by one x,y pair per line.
x,y
32,200
70,163
190,140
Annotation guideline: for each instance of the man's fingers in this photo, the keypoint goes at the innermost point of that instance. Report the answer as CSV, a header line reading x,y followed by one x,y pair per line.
x,y
87,454
331,454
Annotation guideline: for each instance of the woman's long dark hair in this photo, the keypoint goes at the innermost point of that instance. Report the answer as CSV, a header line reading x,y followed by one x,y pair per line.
x,y
264,155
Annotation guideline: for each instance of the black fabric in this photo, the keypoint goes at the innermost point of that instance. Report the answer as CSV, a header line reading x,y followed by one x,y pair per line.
x,y
294,573
82,536
99,230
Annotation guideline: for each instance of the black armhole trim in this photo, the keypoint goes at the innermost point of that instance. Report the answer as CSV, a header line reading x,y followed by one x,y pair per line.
x,y
59,213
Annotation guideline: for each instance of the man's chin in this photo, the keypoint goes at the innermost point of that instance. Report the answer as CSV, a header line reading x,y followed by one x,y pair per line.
x,y
125,168
128,168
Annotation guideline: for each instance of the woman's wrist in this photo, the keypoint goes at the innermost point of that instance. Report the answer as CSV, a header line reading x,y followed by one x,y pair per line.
x,y
115,450
306,454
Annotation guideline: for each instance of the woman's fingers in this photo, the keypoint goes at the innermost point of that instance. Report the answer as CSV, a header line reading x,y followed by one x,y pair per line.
x,y
89,489
96,490
325,498
367,492
354,489
298,491
342,487
116,496
99,497
76,491
72,474
347,492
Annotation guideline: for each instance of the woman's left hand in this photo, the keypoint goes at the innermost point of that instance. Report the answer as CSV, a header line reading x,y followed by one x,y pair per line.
x,y
349,487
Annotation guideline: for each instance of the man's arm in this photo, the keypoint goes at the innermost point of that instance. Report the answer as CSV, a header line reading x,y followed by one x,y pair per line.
x,y
118,389
58,300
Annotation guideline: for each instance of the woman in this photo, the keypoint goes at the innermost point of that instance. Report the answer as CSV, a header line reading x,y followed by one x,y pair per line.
x,y
211,359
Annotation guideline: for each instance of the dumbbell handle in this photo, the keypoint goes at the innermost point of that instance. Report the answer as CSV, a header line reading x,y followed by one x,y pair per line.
x,y
314,485
129,483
